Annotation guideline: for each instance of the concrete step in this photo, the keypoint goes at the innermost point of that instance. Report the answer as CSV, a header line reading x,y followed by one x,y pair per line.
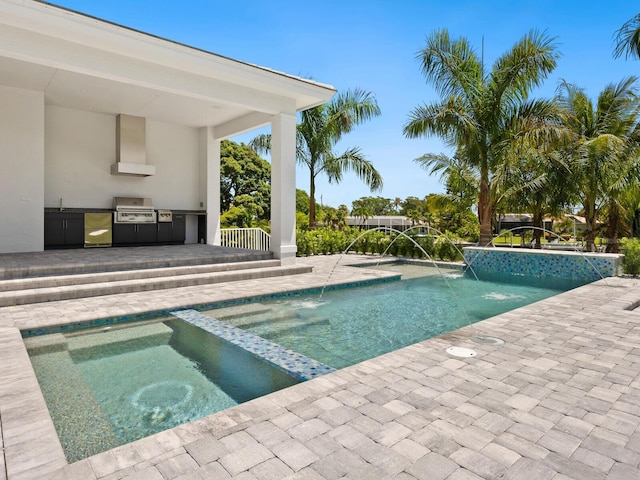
x,y
90,260
129,283
115,276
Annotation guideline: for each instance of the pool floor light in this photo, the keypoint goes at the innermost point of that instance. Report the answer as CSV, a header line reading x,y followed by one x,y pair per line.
x,y
461,352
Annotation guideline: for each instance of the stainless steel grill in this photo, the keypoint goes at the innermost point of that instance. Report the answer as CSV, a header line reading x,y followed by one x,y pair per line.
x,y
133,210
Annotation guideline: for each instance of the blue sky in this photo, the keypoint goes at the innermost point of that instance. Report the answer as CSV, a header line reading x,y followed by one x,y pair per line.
x,y
372,44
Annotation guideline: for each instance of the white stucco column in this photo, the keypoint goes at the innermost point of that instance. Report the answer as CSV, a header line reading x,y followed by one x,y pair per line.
x,y
22,170
283,187
210,182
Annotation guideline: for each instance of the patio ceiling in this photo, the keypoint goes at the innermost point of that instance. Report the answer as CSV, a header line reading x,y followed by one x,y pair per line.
x,y
85,63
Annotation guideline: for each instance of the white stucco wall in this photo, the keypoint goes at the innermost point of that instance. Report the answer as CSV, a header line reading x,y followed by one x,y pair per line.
x,y
80,148
21,170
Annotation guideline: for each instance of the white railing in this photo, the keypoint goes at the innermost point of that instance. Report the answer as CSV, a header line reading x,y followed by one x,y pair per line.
x,y
250,238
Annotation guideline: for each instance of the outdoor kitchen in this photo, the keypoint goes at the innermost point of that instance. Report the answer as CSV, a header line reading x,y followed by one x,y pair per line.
x,y
133,221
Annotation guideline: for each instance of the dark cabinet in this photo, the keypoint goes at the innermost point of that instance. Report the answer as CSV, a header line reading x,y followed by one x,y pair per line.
x,y
165,231
174,231
179,228
134,233
63,229
67,230
146,233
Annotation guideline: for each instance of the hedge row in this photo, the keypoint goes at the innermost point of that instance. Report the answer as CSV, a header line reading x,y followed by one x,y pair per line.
x,y
325,242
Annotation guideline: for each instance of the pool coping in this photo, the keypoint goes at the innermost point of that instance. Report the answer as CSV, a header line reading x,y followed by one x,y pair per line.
x,y
27,429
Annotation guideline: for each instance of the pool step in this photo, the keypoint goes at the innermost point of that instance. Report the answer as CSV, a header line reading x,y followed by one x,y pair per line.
x,y
228,314
273,330
37,290
109,341
60,377
255,314
99,260
265,320
56,342
102,277
243,317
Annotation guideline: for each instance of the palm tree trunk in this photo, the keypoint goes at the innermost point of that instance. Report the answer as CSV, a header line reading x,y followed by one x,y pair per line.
x,y
612,229
485,213
537,232
312,202
590,230
635,228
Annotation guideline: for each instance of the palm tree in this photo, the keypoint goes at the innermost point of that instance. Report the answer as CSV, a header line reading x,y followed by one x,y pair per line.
x,y
397,203
482,114
320,128
461,179
628,39
538,186
415,217
630,201
603,149
363,212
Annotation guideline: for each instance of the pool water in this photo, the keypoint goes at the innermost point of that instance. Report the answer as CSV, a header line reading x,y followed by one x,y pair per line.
x,y
343,327
112,386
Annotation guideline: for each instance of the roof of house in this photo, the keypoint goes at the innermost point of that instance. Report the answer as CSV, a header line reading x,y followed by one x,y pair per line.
x,y
82,62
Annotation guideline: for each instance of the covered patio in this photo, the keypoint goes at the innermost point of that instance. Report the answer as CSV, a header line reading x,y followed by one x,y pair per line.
x,y
66,79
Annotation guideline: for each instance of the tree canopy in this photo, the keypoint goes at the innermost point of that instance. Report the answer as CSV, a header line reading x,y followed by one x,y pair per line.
x,y
603,149
245,185
481,114
375,205
320,128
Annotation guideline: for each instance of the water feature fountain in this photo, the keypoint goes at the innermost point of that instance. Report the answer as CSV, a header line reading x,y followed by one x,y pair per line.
x,y
454,351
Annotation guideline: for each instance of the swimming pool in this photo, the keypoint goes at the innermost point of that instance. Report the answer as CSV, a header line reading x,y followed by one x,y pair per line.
x,y
110,386
107,386
344,327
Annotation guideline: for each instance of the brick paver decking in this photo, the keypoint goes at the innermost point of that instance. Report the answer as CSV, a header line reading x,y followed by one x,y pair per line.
x,y
559,400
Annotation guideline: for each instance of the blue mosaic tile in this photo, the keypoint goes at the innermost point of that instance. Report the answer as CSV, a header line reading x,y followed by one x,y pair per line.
x,y
301,367
572,265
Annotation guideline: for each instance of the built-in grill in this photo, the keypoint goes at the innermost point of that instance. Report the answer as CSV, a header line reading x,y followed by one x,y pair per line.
x,y
133,210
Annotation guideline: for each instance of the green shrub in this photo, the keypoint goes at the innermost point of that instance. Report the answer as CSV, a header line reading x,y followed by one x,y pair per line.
x,y
327,241
631,259
427,246
447,247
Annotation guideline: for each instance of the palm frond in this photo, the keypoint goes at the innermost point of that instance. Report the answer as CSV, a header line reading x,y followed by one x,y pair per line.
x,y
526,65
449,120
434,163
451,66
347,110
261,143
352,160
628,39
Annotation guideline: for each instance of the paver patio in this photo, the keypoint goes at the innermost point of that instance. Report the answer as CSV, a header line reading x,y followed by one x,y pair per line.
x,y
559,400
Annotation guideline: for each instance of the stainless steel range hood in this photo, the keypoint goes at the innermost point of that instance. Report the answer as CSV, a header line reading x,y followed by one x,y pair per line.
x,y
131,155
